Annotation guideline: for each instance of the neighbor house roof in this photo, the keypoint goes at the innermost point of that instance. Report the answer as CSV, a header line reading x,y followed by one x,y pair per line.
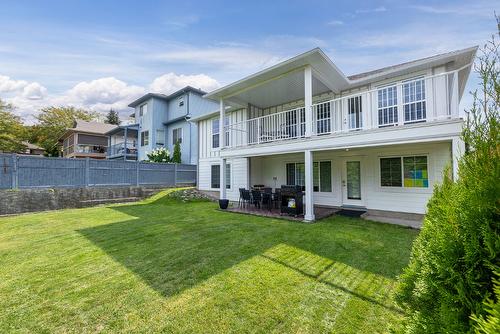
x,y
32,146
166,97
81,126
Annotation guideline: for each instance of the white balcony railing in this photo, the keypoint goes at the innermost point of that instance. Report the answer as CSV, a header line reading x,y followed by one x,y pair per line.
x,y
424,99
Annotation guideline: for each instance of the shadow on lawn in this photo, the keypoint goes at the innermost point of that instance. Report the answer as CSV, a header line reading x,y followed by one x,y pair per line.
x,y
174,246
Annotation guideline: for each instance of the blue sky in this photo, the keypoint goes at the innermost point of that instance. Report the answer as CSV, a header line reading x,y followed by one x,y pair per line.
x,y
103,54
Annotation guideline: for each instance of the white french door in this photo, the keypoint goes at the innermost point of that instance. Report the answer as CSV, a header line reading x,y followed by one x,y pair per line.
x,y
352,193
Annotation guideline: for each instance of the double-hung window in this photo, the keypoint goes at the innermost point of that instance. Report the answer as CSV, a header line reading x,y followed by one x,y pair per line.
x,y
144,138
177,136
215,133
387,106
215,176
143,109
414,100
407,172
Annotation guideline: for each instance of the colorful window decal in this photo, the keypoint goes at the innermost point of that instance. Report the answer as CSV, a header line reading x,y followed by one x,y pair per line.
x,y
415,172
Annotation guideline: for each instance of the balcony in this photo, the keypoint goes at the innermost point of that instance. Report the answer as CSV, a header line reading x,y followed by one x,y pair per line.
x,y
122,150
419,100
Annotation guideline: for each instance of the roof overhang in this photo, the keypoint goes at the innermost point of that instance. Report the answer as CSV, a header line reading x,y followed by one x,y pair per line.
x,y
283,82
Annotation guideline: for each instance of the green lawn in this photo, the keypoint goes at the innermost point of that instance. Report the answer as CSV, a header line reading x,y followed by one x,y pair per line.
x,y
166,266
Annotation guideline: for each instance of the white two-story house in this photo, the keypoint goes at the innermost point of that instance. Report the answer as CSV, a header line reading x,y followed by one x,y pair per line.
x,y
378,140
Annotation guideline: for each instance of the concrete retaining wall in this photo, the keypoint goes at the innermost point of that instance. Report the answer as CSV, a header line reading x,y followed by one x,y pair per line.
x,y
33,200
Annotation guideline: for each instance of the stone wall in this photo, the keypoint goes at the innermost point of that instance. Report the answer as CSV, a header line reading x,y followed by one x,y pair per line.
x,y
33,200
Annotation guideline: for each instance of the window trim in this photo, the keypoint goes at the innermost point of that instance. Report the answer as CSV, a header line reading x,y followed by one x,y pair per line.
x,y
427,189
141,109
179,138
215,121
424,101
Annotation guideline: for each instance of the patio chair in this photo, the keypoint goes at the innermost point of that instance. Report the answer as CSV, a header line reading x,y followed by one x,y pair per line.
x,y
241,196
277,197
267,190
246,198
256,198
267,200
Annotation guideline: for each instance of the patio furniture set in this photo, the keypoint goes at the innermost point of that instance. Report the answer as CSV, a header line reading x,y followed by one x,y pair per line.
x,y
288,199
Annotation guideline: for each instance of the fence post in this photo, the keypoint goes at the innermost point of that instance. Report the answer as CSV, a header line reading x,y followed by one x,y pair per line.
x,y
175,175
15,174
137,172
87,171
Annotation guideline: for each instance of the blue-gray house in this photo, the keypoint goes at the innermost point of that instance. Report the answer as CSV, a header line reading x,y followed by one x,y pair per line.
x,y
164,119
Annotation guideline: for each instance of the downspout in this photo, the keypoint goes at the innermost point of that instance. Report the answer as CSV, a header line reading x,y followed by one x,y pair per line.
x,y
190,144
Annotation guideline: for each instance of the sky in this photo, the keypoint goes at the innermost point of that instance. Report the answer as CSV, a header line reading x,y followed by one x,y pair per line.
x,y
104,54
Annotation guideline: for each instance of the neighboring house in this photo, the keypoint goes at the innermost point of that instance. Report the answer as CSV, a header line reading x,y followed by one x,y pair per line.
x,y
32,149
86,139
165,119
123,142
378,140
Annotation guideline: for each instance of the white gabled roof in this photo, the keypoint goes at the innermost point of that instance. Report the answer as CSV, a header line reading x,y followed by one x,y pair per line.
x,y
284,82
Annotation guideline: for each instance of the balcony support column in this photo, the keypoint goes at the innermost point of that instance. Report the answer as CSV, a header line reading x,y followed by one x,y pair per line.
x,y
222,144
309,201
308,101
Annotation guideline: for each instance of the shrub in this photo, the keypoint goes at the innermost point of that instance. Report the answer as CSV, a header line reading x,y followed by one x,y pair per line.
x,y
159,155
176,157
449,282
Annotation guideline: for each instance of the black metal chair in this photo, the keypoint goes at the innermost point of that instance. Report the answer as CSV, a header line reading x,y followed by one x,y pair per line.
x,y
245,197
256,198
267,200
277,197
267,190
241,196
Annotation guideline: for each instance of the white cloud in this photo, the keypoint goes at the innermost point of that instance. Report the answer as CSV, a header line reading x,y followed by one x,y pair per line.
x,y
379,9
34,91
229,58
182,22
8,85
171,82
479,9
335,23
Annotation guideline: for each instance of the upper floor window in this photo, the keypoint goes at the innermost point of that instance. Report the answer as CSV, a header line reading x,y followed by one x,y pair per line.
x,y
160,137
144,138
181,101
177,135
414,100
387,106
143,109
215,133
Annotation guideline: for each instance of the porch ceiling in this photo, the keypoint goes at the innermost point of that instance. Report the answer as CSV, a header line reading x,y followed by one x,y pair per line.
x,y
283,82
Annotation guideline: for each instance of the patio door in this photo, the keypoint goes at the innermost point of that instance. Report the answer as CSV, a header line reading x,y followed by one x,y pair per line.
x,y
352,193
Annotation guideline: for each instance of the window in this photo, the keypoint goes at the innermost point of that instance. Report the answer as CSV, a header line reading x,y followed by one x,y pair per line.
x,y
295,174
390,172
160,137
144,138
387,106
414,100
143,109
181,101
408,172
215,133
322,176
215,176
354,113
415,172
177,136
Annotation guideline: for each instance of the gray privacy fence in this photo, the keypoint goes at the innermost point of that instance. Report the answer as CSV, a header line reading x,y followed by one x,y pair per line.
x,y
21,171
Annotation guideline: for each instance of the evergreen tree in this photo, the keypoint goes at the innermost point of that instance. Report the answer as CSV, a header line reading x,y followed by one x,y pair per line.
x,y
176,157
112,117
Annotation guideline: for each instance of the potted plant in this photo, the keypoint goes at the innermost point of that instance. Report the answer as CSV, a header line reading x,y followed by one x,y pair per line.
x,y
223,204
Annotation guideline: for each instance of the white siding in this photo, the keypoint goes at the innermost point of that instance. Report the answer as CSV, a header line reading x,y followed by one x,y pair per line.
x,y
413,200
239,175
